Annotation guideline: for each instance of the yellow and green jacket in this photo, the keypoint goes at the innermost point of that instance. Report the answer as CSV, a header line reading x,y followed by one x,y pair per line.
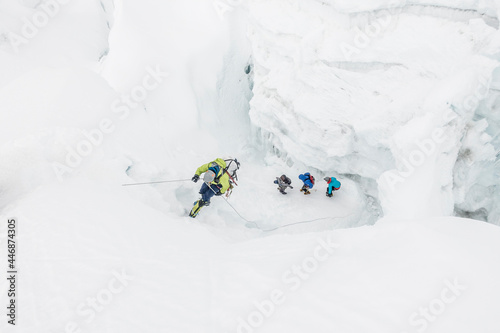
x,y
221,178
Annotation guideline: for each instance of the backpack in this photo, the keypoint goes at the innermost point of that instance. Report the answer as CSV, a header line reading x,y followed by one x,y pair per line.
x,y
216,169
285,180
311,178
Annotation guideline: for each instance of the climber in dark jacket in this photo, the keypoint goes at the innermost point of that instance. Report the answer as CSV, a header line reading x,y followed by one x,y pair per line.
x,y
283,182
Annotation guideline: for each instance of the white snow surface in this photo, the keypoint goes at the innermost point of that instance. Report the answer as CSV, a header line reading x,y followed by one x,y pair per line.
x,y
114,92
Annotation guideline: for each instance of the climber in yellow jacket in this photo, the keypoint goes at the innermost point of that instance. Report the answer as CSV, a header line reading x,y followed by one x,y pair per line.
x,y
215,182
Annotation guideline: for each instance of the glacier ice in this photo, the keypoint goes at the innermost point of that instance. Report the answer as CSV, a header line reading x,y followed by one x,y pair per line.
x,y
361,92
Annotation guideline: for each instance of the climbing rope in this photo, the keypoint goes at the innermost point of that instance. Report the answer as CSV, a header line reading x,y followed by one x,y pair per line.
x,y
236,211
282,226
302,222
158,182
226,200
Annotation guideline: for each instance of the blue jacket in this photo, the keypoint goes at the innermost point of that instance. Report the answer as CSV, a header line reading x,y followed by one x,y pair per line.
x,y
333,185
305,179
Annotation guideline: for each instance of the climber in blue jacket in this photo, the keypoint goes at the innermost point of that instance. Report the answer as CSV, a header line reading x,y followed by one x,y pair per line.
x,y
308,180
333,185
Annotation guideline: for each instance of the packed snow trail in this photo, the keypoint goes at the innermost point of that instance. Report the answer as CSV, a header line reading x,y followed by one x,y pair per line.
x,y
269,195
254,223
257,200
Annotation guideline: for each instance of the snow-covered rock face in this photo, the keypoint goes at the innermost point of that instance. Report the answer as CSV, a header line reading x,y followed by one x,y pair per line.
x,y
403,96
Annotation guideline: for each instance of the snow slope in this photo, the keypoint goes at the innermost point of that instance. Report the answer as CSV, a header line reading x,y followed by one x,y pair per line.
x,y
55,33
182,275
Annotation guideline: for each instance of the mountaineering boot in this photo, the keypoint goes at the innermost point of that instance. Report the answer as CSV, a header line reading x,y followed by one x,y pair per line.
x,y
194,211
306,192
197,207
